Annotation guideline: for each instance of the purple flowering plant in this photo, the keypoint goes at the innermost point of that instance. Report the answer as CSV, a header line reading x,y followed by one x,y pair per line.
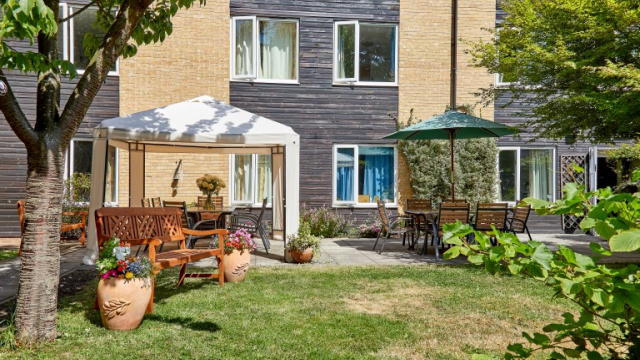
x,y
240,240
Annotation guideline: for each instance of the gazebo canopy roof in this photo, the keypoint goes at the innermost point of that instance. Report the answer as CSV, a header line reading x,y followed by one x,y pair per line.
x,y
200,120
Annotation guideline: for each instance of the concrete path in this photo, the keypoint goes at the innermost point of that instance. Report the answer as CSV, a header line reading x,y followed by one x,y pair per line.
x,y
333,252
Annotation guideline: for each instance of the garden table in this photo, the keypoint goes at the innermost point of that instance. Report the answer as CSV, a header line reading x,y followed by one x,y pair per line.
x,y
428,218
223,212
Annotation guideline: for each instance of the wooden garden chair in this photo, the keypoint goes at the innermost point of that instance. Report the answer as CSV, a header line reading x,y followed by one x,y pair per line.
x,y
393,225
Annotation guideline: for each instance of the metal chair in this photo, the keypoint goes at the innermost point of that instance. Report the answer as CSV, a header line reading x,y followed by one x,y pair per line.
x,y
449,213
244,219
419,221
518,222
488,215
388,225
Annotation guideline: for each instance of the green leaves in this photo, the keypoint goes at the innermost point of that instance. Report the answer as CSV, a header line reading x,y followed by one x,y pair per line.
x,y
626,241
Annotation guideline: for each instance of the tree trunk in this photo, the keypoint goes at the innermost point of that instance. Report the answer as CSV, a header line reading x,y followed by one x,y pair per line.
x,y
40,266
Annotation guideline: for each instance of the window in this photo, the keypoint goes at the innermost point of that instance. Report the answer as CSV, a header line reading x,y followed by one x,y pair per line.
x,y
79,158
250,179
365,53
526,173
264,49
71,35
364,174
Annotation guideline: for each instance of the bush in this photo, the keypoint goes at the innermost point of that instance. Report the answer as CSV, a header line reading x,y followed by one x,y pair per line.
x,y
608,323
429,163
371,227
325,221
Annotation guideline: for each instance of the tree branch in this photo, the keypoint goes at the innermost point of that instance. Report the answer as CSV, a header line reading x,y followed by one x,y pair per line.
x,y
105,57
82,9
14,115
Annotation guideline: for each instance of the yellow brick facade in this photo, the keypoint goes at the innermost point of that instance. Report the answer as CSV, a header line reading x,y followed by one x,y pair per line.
x,y
193,61
425,62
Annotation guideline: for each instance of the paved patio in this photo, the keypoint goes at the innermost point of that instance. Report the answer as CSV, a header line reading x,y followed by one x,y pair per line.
x,y
333,252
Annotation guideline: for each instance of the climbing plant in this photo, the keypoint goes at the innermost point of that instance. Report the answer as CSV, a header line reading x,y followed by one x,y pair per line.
x,y
429,163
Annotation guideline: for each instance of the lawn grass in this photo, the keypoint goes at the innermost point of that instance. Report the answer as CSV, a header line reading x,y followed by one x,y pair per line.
x,y
6,254
305,312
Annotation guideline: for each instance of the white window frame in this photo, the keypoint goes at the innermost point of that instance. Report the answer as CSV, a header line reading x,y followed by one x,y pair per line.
x,y
356,72
68,169
72,42
356,176
254,181
65,31
256,51
518,149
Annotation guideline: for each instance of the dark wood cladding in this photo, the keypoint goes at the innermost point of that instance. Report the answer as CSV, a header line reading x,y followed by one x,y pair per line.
x,y
13,158
321,112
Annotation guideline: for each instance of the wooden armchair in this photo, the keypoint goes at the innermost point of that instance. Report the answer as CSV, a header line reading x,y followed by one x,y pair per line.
x,y
488,215
64,227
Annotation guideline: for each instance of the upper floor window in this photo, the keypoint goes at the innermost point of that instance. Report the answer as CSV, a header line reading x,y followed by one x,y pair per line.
x,y
72,32
365,53
364,174
251,180
264,49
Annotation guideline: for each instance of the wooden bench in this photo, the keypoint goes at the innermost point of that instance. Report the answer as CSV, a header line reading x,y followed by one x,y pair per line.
x,y
64,227
155,226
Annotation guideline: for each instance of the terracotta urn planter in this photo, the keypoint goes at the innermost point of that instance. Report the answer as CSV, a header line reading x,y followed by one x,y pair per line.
x,y
301,257
236,265
123,303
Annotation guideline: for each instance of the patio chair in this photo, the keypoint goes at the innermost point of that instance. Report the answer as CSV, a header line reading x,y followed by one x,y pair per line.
x,y
518,222
189,223
389,224
156,202
218,201
146,202
252,223
488,215
419,221
449,214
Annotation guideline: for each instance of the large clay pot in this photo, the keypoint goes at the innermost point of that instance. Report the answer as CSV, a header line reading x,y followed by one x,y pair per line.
x,y
236,265
123,303
301,257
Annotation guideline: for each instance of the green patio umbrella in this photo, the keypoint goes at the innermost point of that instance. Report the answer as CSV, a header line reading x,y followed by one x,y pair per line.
x,y
452,125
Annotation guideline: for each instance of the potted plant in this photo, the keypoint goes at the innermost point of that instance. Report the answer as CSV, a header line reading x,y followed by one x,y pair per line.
x,y
304,245
237,258
209,185
124,289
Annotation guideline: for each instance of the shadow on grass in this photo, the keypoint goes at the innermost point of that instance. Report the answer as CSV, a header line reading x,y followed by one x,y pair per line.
x,y
185,322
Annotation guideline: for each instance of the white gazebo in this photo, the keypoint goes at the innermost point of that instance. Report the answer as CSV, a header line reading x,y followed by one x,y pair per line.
x,y
200,125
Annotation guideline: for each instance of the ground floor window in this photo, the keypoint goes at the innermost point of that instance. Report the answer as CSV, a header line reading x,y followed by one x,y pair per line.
x,y
364,174
526,172
78,161
251,179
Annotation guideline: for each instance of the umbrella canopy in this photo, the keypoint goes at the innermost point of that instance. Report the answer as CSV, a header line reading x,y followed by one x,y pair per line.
x,y
452,125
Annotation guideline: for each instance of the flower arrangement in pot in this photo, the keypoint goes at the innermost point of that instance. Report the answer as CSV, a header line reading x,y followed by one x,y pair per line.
x,y
210,185
125,286
304,245
237,258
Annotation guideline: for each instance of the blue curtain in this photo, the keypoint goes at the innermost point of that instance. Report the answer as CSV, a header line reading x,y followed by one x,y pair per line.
x,y
345,184
377,174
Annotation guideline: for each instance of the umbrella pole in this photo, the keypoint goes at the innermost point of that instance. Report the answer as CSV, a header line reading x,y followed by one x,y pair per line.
x,y
452,135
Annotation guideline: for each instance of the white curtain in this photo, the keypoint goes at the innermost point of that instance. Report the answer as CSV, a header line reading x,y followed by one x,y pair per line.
x,y
244,47
278,53
541,174
242,178
264,178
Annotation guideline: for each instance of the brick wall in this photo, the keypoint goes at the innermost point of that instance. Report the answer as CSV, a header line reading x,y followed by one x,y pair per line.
x,y
425,61
193,61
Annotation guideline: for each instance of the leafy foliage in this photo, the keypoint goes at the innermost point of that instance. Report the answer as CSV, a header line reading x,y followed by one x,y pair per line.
x,y
585,51
304,240
608,323
429,162
325,221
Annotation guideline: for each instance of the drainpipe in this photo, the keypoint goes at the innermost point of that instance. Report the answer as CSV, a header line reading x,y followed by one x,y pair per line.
x,y
454,52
